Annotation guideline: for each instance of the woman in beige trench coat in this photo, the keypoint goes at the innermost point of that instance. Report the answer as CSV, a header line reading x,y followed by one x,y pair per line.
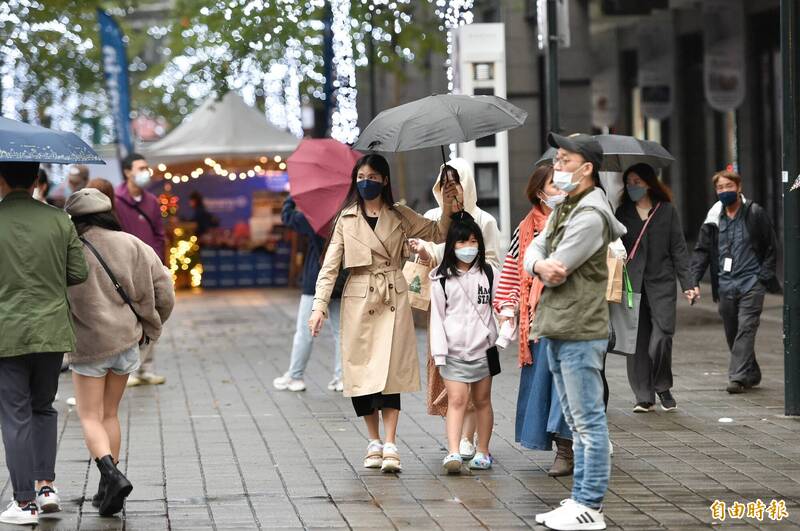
x,y
379,345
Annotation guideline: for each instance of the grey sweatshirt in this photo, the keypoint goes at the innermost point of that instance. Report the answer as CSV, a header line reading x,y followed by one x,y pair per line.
x,y
583,235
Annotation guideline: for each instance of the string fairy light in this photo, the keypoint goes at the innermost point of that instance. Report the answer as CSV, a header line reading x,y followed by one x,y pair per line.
x,y
344,120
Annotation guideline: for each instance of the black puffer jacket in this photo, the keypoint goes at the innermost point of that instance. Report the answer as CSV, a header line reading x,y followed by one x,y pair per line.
x,y
762,238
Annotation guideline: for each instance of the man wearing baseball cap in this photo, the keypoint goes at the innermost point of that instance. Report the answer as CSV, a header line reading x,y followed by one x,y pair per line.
x,y
569,256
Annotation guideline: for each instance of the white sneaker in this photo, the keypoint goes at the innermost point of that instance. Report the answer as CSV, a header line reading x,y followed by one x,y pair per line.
x,y
374,458
282,383
541,517
151,378
575,517
71,401
466,449
47,500
336,385
25,515
391,459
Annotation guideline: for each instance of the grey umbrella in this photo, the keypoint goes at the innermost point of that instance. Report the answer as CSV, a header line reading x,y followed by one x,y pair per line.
x,y
438,120
621,152
21,142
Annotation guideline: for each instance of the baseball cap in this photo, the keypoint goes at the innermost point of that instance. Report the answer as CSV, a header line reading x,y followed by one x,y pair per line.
x,y
583,144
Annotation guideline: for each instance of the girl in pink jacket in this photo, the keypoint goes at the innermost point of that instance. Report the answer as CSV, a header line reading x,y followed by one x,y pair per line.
x,y
463,335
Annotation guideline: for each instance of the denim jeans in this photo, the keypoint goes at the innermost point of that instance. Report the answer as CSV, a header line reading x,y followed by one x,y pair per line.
x,y
576,367
301,348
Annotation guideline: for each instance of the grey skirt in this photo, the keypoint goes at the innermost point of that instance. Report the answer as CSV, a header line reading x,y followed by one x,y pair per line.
x,y
457,370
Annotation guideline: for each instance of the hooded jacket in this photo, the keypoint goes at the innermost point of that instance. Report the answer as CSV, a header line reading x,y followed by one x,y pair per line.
x,y
487,223
577,235
462,323
762,238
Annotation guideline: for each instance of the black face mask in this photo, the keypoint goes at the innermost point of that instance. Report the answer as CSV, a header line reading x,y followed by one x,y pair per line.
x,y
369,189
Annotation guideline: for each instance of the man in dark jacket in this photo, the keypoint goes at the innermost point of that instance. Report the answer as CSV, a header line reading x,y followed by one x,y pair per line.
x,y
738,244
40,255
301,349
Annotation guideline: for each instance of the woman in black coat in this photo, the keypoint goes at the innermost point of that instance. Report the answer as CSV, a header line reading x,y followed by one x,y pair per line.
x,y
654,263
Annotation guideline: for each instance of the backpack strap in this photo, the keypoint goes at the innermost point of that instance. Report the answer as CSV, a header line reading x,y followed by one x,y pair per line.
x,y
487,270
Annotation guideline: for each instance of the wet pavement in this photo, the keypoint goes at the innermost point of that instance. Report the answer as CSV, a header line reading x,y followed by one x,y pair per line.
x,y
216,447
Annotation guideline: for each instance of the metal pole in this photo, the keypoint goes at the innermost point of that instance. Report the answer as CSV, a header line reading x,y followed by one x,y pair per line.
x,y
790,56
551,68
327,68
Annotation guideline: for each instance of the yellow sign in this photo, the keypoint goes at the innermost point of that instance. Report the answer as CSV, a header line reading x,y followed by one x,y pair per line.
x,y
776,510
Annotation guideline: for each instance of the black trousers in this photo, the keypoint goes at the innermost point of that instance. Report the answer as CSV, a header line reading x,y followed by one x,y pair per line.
x,y
650,368
741,316
368,404
28,386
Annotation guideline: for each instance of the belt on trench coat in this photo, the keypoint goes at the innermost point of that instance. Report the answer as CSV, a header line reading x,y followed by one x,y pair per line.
x,y
381,282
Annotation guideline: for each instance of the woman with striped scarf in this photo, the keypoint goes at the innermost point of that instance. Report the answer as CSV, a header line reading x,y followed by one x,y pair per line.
x,y
539,419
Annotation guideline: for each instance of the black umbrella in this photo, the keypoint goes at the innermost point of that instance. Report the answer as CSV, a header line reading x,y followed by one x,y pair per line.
x,y
621,152
21,142
438,120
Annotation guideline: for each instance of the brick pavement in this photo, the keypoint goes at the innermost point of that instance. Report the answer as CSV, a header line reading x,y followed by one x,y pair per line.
x,y
217,448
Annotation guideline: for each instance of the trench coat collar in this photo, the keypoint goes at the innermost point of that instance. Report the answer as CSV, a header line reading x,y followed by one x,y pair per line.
x,y
388,221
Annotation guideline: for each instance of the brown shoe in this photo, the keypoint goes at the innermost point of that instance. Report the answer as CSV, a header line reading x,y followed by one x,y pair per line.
x,y
564,462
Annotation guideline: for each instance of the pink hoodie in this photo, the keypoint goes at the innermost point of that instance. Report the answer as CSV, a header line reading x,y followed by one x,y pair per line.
x,y
463,326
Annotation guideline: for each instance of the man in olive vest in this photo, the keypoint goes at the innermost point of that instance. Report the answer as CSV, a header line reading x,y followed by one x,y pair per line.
x,y
569,256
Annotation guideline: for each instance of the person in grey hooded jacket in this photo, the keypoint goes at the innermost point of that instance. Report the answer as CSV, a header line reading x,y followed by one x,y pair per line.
x,y
569,256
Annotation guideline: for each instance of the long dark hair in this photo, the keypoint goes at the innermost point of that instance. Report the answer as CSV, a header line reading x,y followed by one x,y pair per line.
x,y
104,220
462,226
381,166
657,190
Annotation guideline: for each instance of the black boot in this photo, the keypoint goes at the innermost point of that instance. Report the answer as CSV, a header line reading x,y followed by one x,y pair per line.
x,y
101,491
117,487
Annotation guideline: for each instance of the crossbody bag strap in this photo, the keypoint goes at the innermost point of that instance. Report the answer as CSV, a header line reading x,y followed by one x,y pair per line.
x,y
641,234
475,306
117,286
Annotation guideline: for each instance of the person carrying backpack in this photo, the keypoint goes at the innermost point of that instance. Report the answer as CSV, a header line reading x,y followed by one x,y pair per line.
x,y
463,335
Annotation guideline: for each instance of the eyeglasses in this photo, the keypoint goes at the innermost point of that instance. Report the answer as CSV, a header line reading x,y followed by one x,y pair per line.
x,y
562,161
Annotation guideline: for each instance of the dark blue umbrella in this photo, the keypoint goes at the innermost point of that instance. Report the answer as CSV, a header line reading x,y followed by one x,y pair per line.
x,y
21,142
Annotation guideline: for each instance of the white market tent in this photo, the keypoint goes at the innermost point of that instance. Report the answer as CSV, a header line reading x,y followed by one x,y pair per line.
x,y
226,128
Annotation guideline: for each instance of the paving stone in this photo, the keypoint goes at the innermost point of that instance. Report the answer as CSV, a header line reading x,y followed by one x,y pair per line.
x,y
216,447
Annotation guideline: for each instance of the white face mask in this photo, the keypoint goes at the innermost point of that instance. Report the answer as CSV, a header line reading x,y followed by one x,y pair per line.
x,y
37,194
563,180
552,201
142,179
467,254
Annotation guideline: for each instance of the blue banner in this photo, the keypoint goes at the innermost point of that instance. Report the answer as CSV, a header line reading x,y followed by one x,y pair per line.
x,y
115,67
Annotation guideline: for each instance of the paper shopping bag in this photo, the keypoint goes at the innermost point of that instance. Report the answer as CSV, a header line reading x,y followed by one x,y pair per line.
x,y
419,285
614,286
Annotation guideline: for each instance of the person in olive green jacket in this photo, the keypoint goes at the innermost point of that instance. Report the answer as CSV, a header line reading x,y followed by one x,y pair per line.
x,y
569,256
40,255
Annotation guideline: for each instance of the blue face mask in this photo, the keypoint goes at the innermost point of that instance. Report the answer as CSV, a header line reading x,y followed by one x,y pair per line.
x,y
467,254
636,192
369,189
727,198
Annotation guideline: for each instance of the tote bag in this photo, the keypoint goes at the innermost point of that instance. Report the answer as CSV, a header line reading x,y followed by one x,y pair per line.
x,y
624,320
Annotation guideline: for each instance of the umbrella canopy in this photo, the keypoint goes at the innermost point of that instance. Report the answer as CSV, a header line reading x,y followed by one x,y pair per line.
x,y
621,152
219,129
21,142
547,157
438,120
319,178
